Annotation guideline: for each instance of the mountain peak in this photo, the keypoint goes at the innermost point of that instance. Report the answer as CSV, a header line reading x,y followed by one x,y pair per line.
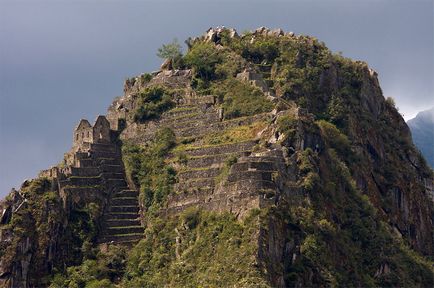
x,y
279,158
422,130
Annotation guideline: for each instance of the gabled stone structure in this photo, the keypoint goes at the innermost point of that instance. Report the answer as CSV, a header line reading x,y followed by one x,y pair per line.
x,y
86,134
82,133
93,170
101,130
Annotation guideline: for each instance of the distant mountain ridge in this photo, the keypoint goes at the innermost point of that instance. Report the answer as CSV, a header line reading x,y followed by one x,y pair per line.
x,y
422,130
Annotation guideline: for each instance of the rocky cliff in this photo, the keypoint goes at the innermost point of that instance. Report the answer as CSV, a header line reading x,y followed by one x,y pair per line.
x,y
260,159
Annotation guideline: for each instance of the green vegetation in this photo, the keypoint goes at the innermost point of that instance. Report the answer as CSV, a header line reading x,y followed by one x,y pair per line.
x,y
39,220
211,64
203,58
147,168
230,160
307,162
390,101
294,65
334,138
241,99
103,270
322,230
153,101
235,134
287,124
173,52
337,111
145,77
176,253
347,243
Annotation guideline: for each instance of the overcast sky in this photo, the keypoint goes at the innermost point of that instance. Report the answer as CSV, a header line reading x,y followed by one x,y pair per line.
x,y
65,60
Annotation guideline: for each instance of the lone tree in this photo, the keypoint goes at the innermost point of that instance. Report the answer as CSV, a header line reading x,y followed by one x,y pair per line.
x,y
171,51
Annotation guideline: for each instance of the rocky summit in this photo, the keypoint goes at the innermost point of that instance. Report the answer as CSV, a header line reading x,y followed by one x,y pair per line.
x,y
253,160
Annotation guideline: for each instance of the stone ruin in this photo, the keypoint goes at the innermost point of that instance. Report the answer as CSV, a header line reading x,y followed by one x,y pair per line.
x,y
84,133
93,170
84,136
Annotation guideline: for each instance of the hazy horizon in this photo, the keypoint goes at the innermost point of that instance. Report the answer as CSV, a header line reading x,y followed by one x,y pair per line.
x,y
61,61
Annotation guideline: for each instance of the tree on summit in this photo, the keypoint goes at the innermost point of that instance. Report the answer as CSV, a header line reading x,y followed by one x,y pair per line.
x,y
172,53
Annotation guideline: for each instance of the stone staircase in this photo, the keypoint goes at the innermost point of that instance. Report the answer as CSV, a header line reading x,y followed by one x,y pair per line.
x,y
101,170
122,219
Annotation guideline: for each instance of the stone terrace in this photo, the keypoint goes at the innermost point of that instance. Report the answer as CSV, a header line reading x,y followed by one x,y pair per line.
x,y
205,170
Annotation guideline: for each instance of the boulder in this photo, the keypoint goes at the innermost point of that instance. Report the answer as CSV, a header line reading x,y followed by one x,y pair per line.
x,y
167,65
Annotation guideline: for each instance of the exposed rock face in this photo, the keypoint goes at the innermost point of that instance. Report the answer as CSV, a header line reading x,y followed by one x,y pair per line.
x,y
331,169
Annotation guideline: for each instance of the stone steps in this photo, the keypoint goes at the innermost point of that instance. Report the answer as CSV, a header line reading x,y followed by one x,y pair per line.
x,y
81,155
90,162
122,238
113,171
76,190
112,175
112,168
86,163
109,161
81,181
126,193
264,67
116,230
122,215
104,154
103,147
102,171
84,171
117,183
122,222
269,83
127,201
124,208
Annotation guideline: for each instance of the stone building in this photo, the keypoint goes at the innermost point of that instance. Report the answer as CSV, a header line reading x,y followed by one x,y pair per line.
x,y
85,133
82,133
